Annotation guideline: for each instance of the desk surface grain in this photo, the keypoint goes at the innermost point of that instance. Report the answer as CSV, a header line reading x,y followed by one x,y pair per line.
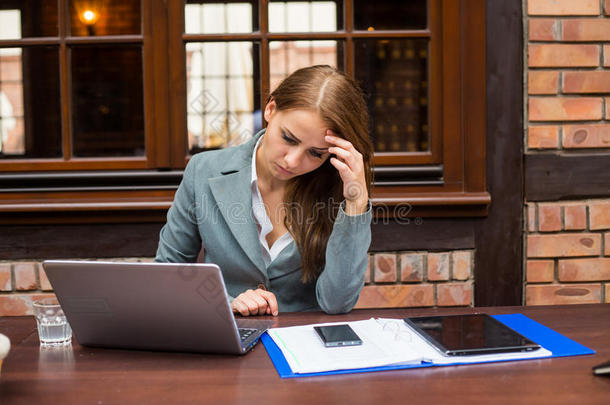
x,y
82,375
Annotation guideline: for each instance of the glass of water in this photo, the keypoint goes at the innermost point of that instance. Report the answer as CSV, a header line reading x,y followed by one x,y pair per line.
x,y
53,328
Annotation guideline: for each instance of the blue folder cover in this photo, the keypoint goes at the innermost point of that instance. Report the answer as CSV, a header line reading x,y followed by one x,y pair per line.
x,y
556,343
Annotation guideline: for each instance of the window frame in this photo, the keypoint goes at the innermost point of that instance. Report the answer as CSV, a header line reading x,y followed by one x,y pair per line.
x,y
179,38
146,39
464,191
458,154
458,128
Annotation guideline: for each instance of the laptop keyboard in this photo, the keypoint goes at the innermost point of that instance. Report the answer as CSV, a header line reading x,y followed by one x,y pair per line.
x,y
246,333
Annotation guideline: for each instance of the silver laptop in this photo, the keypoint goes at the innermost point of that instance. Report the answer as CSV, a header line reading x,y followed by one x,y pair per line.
x,y
151,306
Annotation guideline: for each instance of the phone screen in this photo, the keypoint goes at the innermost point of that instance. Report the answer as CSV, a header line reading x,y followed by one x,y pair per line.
x,y
338,335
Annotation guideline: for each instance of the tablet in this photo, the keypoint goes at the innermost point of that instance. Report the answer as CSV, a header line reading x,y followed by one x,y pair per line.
x,y
471,334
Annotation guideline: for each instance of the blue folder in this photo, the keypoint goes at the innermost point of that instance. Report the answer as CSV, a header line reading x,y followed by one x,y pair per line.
x,y
556,343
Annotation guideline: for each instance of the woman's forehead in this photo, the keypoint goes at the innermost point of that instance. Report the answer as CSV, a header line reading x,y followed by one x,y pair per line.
x,y
307,126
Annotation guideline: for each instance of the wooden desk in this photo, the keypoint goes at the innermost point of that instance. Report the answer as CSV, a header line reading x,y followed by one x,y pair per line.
x,y
101,376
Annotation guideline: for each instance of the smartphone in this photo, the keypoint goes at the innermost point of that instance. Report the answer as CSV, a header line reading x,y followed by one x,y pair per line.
x,y
338,335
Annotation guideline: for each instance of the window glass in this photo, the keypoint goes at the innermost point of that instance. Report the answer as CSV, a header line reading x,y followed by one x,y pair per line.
x,y
12,131
223,94
394,75
24,19
105,17
219,18
10,24
107,101
304,16
390,14
287,56
30,116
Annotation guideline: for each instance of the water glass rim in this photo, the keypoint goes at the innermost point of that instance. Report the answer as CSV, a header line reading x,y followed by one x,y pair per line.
x,y
46,303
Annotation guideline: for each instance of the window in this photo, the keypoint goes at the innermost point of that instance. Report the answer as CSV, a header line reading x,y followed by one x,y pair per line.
x,y
419,62
103,102
223,69
73,86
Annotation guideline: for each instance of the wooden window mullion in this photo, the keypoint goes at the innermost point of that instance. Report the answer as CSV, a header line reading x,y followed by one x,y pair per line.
x,y
177,142
264,49
64,81
348,23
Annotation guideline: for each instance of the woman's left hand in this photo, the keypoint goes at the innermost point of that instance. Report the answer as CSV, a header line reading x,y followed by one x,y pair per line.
x,y
349,164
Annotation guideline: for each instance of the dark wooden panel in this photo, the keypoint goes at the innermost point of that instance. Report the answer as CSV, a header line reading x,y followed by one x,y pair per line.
x,y
140,240
79,241
422,234
474,94
562,177
90,181
498,256
170,179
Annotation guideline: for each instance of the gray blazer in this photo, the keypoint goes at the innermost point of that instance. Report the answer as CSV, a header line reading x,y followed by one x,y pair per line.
x,y
213,207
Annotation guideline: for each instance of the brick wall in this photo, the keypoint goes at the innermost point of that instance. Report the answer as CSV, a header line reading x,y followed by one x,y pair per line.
x,y
568,252
568,86
22,282
418,279
393,279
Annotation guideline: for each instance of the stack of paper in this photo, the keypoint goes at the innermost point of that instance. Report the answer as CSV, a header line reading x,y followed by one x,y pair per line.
x,y
384,342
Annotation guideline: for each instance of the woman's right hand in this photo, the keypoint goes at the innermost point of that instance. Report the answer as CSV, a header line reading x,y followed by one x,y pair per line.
x,y
255,302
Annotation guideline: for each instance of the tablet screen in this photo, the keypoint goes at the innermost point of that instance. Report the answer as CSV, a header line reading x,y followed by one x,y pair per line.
x,y
470,334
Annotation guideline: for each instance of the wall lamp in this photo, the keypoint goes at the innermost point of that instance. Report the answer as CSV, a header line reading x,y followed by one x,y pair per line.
x,y
89,12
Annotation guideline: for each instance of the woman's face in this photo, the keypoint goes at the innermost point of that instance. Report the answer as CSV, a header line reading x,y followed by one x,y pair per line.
x,y
293,143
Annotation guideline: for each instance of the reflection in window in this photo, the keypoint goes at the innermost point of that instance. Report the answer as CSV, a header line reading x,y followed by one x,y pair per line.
x,y
107,101
30,118
222,101
390,14
218,18
26,19
394,73
12,134
287,56
302,16
105,17
10,24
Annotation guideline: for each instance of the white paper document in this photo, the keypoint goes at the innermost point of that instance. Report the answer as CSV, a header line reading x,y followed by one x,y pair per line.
x,y
305,352
384,342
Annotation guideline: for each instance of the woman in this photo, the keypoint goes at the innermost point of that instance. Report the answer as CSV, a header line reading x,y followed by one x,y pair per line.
x,y
286,215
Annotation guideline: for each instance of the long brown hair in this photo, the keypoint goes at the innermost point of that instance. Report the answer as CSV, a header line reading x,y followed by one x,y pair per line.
x,y
313,198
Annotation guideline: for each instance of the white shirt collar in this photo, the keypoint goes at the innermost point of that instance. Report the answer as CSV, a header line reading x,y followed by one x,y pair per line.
x,y
254,174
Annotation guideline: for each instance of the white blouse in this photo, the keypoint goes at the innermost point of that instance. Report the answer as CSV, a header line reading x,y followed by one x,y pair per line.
x,y
264,225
